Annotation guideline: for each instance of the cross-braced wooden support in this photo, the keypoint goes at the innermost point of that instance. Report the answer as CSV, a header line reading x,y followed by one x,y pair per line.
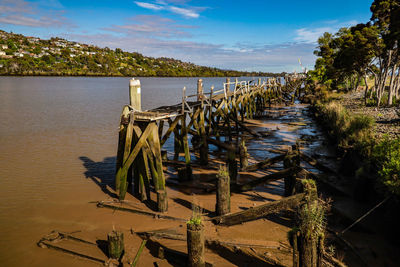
x,y
142,154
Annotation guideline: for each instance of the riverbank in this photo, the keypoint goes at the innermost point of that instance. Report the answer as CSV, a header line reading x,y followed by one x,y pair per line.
x,y
387,118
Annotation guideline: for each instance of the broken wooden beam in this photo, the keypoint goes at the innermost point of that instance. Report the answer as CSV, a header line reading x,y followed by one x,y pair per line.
x,y
139,252
101,204
265,163
315,163
213,141
255,213
267,178
240,255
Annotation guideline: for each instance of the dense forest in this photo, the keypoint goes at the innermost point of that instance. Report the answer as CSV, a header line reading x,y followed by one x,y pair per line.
x,y
23,55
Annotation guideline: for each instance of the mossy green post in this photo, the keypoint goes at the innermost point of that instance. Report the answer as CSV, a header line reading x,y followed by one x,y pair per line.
x,y
115,244
195,244
223,204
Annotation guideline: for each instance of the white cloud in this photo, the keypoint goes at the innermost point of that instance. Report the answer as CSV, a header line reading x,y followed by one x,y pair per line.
x,y
149,6
151,25
311,35
162,5
184,12
25,13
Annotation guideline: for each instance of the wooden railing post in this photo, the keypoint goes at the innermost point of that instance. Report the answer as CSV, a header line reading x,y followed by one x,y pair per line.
x,y
135,94
199,89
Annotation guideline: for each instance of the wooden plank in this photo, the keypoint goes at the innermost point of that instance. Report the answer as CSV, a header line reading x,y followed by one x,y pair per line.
x,y
255,213
155,144
267,178
139,252
170,130
265,163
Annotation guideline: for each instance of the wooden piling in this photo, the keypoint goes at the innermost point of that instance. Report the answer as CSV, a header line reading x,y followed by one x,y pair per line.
x,y
310,228
135,94
243,155
154,142
185,173
232,165
223,204
199,89
203,136
227,88
124,121
162,201
295,249
195,244
115,244
291,160
177,143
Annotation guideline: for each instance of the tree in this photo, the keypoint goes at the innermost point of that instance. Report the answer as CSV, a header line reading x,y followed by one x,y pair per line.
x,y
385,15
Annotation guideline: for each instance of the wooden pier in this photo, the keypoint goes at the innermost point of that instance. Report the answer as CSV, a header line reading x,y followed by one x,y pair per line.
x,y
209,117
205,115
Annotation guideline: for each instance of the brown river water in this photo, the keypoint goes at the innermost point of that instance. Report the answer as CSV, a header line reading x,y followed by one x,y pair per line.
x,y
58,141
54,133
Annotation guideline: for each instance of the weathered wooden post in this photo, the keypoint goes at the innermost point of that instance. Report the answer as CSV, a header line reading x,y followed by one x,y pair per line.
x,y
243,155
124,121
195,243
115,244
135,94
232,165
291,160
124,180
185,173
311,225
177,143
199,89
223,205
203,136
162,201
259,81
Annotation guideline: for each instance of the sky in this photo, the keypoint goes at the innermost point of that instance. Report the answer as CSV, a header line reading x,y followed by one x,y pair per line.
x,y
251,35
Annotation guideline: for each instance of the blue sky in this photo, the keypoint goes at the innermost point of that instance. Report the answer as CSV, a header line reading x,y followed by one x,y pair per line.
x,y
253,35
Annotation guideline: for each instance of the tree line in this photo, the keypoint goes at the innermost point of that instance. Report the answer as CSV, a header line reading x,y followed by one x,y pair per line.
x,y
48,57
367,53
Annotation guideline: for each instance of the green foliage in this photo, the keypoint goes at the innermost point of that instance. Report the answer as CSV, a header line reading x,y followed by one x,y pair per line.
x,y
196,214
387,158
346,129
195,221
312,218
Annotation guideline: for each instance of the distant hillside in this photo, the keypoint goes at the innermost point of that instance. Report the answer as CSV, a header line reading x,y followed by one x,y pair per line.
x,y
23,55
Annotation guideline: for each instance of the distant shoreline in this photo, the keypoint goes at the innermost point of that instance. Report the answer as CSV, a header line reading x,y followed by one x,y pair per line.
x,y
122,76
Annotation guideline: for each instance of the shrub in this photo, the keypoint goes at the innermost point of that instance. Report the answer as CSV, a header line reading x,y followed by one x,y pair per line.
x,y
387,159
346,129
